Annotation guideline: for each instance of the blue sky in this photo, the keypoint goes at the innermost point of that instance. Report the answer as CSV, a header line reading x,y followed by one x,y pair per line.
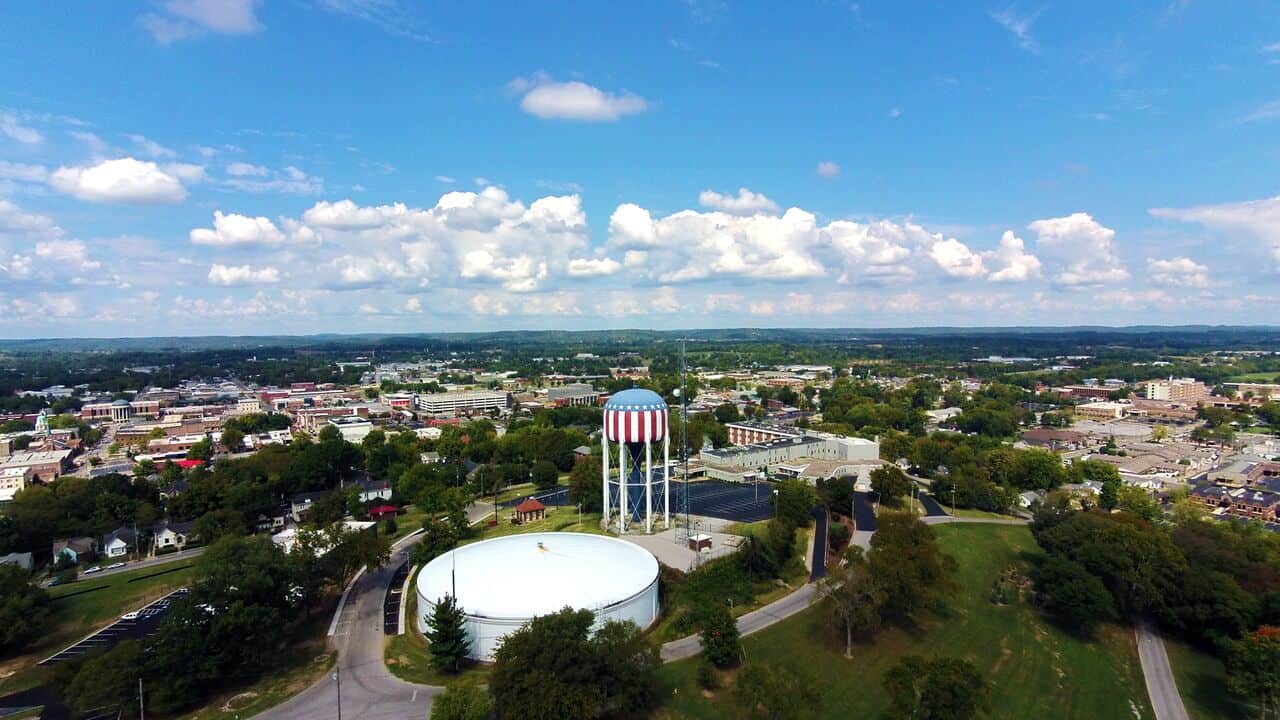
x,y
242,166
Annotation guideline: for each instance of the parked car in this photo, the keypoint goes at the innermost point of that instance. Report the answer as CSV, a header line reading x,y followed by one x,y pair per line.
x,y
132,615
92,570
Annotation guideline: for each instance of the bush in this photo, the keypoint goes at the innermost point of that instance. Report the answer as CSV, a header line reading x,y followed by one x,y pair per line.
x,y
837,536
707,678
720,645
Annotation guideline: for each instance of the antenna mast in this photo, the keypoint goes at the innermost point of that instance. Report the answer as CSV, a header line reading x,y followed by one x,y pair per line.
x,y
684,436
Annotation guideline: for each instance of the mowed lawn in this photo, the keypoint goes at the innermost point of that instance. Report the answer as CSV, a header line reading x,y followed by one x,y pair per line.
x,y
1202,683
1035,669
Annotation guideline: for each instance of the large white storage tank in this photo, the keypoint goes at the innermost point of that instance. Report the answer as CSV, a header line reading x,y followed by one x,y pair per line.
x,y
503,583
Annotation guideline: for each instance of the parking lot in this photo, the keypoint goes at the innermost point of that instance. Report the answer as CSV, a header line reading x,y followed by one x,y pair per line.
x,y
736,502
391,604
138,624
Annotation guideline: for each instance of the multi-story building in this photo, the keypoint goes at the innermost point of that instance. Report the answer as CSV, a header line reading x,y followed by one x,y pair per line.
x,y
353,428
1175,390
119,410
750,433
573,394
1103,410
43,466
13,479
1265,391
818,446
463,402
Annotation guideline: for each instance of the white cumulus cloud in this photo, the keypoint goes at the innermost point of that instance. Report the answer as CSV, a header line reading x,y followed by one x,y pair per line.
x,y
547,98
124,180
1011,262
1257,219
1081,248
744,203
231,230
237,275
827,169
1178,271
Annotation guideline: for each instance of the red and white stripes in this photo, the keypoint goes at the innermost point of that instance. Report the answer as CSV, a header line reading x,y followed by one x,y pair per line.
x,y
635,425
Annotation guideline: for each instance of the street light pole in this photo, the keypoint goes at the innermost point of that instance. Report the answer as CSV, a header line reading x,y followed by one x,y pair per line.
x,y
337,675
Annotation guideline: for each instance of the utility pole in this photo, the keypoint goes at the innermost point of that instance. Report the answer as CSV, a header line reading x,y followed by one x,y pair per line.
x,y
337,675
142,707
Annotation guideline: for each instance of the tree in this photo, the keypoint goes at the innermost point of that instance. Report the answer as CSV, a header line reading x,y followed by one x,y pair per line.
x,y
795,498
223,522
232,440
108,680
1136,501
719,636
462,701
438,538
24,608
727,413
890,483
934,689
202,450
907,564
1254,669
1078,599
554,668
447,631
545,474
584,484
854,597
776,692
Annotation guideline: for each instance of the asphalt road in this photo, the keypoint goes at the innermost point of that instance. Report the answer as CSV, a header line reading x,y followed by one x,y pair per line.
x,y
752,622
931,507
864,513
1161,686
818,563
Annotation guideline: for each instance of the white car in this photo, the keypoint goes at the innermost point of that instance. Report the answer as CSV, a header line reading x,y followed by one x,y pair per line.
x,y
92,570
132,615
115,566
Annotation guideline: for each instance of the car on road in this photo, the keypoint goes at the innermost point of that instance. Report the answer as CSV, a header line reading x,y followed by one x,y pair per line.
x,y
92,570
114,566
131,615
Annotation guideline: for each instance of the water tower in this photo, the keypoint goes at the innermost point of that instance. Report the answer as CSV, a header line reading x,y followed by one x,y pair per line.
x,y
636,420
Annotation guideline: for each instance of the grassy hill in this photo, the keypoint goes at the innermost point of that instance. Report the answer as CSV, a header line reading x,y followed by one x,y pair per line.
x,y
1036,670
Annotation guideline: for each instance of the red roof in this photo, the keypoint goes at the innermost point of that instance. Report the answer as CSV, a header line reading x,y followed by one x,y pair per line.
x,y
188,464
383,510
530,505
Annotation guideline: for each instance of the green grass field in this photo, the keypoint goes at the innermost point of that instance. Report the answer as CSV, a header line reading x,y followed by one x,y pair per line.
x,y
1202,683
1035,669
1257,377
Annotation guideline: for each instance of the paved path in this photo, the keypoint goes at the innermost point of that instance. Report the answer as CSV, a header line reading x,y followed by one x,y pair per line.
x,y
1161,686
752,622
947,519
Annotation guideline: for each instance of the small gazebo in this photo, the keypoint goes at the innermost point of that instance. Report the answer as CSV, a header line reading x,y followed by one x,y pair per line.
x,y
529,510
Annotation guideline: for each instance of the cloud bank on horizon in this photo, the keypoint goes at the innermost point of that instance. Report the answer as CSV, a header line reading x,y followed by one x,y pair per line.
x,y
678,182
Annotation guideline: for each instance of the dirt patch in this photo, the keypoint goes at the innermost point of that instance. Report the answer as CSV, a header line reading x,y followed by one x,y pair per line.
x,y
1005,654
238,701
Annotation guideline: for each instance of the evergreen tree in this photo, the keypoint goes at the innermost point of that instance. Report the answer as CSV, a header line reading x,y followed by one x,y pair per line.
x,y
447,632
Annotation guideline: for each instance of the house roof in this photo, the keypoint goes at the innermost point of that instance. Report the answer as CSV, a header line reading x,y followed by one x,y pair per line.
x,y
530,505
383,510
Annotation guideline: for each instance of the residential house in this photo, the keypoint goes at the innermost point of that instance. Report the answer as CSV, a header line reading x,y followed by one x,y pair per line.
x,y
77,549
299,504
167,534
22,560
275,520
119,542
371,490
